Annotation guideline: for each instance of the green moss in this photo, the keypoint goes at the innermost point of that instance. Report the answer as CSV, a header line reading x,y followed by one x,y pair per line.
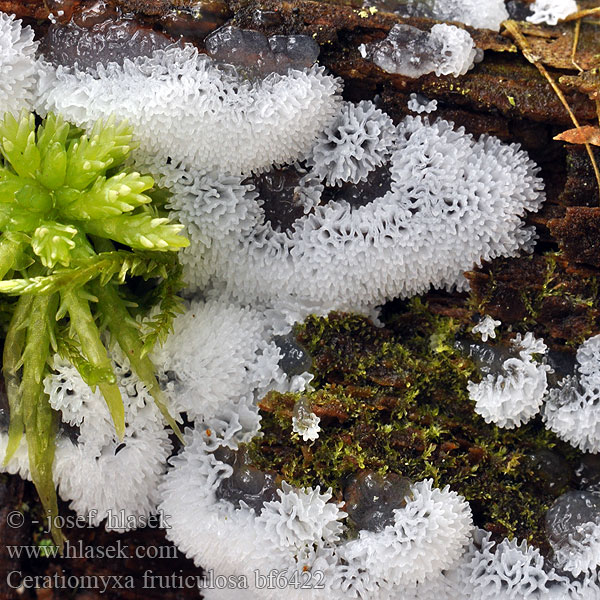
x,y
541,294
75,223
394,399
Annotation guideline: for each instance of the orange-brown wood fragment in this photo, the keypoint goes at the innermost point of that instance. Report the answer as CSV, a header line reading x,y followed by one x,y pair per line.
x,y
588,134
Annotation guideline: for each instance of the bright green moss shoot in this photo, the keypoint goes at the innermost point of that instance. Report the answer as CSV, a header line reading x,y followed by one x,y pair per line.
x,y
65,198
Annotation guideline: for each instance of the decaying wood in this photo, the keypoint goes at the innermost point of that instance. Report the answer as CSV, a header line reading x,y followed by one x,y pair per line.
x,y
505,95
589,134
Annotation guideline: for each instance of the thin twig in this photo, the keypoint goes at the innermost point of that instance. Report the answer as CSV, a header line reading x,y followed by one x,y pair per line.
x,y
513,28
581,14
575,42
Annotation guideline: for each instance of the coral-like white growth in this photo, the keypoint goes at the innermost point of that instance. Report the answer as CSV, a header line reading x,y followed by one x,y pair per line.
x,y
307,426
551,11
457,49
17,65
483,15
571,409
184,107
301,532
510,570
582,552
19,463
69,394
408,51
504,571
117,480
420,104
428,535
588,357
210,206
358,141
487,328
101,475
453,202
218,358
573,530
212,533
300,518
217,354
219,536
515,395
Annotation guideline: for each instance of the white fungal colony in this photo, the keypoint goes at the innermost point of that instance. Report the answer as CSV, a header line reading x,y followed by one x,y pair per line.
x,y
487,328
103,475
351,253
515,395
483,14
17,65
573,527
425,230
420,104
305,422
408,51
354,144
582,553
551,11
511,570
179,100
571,409
428,535
301,531
381,211
100,475
218,361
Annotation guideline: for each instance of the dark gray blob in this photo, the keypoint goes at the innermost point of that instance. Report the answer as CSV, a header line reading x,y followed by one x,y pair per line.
x,y
416,8
370,498
407,51
421,99
195,21
169,380
281,195
518,10
120,447
552,470
563,363
489,359
4,420
404,8
295,360
267,18
225,455
239,47
377,184
254,55
108,41
568,511
69,431
301,51
587,473
247,484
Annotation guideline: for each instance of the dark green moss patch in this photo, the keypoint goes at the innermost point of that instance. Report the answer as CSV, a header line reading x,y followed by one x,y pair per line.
x,y
394,399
